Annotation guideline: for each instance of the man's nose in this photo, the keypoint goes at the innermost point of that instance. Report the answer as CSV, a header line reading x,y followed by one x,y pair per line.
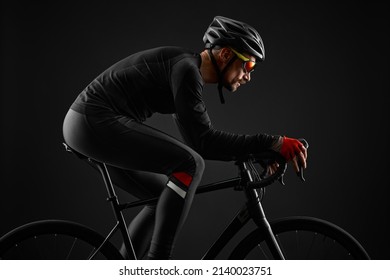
x,y
247,77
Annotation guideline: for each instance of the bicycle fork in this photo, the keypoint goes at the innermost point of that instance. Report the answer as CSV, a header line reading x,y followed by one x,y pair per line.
x,y
257,213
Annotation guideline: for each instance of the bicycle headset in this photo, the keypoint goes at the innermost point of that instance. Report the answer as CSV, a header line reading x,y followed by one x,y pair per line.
x,y
238,35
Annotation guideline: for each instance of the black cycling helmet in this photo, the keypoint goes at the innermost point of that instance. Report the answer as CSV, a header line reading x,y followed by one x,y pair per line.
x,y
224,31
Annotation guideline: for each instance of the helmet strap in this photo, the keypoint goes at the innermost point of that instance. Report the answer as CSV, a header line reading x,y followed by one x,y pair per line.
x,y
220,73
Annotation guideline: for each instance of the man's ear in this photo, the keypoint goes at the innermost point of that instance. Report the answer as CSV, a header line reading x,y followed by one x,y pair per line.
x,y
225,54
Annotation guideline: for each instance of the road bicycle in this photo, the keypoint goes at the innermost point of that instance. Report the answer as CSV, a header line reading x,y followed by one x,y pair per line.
x,y
297,237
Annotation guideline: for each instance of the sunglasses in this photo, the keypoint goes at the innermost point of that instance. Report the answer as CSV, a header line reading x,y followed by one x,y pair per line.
x,y
247,64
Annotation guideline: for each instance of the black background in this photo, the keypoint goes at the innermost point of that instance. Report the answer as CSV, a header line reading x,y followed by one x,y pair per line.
x,y
325,78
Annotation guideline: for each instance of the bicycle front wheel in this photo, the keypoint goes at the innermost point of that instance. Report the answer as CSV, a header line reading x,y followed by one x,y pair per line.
x,y
55,240
302,238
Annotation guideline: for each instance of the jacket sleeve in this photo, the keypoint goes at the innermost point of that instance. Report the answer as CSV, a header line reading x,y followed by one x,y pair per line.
x,y
196,128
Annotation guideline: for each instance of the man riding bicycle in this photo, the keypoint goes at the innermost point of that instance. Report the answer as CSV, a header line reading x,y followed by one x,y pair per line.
x,y
106,123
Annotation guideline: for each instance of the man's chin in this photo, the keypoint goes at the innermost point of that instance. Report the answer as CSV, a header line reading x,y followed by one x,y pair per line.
x,y
231,88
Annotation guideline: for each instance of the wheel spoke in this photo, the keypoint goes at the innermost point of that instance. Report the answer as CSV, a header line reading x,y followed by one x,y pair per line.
x,y
260,248
37,249
18,251
55,246
91,253
71,248
329,249
311,245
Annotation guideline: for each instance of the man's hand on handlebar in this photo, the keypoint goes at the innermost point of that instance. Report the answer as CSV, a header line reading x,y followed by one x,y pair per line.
x,y
292,150
271,168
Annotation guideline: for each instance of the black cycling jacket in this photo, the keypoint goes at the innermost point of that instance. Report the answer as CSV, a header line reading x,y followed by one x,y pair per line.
x,y
166,80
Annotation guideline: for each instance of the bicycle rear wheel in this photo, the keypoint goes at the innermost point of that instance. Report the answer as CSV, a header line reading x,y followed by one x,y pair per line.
x,y
302,238
55,240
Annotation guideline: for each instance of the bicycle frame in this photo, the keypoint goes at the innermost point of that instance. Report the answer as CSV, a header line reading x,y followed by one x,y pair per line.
x,y
252,210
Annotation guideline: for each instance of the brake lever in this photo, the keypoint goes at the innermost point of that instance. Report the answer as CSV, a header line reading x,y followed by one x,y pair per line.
x,y
281,180
300,172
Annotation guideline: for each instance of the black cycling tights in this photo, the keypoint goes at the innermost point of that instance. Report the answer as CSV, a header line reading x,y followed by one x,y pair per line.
x,y
146,163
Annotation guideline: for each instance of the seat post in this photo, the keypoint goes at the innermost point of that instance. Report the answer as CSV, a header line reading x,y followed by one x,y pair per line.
x,y
107,181
112,197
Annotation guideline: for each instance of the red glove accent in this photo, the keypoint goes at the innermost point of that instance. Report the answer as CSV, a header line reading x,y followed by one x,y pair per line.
x,y
290,148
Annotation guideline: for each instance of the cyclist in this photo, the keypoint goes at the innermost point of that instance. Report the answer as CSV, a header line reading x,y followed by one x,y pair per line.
x,y
106,123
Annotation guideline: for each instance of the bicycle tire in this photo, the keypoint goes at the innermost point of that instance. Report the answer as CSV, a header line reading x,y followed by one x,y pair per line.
x,y
303,232
69,240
